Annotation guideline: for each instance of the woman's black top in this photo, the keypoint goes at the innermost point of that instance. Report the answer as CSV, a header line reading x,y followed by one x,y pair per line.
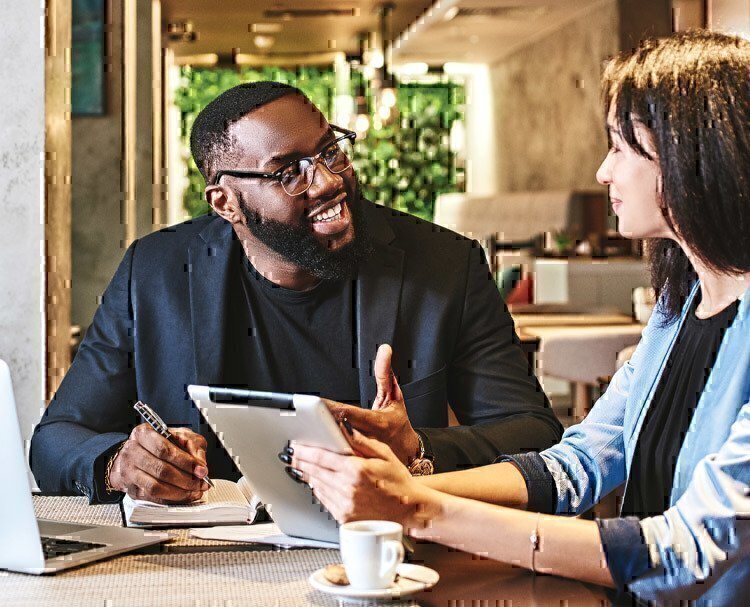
x,y
668,418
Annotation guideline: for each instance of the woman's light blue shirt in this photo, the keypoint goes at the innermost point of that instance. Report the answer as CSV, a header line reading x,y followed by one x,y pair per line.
x,y
699,547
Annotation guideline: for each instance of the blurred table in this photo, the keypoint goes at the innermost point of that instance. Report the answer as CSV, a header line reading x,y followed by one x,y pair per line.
x,y
523,321
194,572
586,281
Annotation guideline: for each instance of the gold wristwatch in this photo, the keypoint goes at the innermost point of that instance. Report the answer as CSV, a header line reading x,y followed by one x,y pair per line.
x,y
421,465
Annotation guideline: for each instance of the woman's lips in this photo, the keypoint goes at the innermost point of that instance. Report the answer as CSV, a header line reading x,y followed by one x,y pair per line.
x,y
616,204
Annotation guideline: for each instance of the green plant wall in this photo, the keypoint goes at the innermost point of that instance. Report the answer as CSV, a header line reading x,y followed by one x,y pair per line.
x,y
404,164
407,163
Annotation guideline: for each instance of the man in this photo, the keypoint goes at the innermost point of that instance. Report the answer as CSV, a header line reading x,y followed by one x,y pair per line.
x,y
290,285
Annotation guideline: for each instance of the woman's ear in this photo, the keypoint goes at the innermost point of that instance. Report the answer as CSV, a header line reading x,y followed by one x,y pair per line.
x,y
224,202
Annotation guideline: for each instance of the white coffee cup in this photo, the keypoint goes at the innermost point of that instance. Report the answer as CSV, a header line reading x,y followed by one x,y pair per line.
x,y
371,552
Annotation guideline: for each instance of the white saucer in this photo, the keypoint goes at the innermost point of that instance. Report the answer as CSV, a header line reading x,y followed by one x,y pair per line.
x,y
402,587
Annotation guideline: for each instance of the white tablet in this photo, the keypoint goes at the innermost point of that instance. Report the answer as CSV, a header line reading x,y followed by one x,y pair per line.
x,y
254,427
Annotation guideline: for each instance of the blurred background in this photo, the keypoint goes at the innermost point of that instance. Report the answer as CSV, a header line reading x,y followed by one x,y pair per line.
x,y
482,115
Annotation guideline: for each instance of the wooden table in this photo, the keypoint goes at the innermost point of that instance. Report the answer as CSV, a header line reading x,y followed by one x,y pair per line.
x,y
522,320
467,580
196,573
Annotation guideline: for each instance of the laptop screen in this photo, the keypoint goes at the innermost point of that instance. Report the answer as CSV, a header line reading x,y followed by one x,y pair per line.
x,y
21,546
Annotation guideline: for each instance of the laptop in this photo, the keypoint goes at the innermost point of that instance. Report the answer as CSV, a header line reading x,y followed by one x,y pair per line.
x,y
40,546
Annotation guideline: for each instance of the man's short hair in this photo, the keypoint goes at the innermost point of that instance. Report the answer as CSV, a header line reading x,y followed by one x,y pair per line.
x,y
209,139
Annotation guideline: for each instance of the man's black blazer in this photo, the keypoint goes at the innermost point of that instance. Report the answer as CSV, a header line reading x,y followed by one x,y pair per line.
x,y
425,290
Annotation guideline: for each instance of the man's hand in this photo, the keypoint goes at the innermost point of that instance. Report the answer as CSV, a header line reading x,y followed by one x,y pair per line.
x,y
387,421
149,467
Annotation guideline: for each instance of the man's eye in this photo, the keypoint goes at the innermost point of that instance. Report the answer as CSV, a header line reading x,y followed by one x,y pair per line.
x,y
331,152
293,170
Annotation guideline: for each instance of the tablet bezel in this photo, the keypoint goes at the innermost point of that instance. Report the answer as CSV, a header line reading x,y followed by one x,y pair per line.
x,y
244,419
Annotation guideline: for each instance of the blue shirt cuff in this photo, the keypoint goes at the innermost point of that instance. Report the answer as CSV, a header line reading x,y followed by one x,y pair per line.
x,y
625,549
540,485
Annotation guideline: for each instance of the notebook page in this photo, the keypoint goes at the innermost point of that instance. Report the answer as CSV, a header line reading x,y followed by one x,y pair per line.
x,y
224,503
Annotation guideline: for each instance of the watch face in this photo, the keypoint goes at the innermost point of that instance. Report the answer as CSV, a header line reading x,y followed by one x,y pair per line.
x,y
421,467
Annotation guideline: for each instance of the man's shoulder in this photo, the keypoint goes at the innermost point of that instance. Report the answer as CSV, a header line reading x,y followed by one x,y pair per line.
x,y
168,248
414,232
179,236
181,232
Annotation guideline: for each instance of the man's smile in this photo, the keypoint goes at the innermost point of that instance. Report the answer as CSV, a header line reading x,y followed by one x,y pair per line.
x,y
332,217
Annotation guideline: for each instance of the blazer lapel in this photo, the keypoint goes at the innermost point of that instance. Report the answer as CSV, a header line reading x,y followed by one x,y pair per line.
x,y
209,256
378,289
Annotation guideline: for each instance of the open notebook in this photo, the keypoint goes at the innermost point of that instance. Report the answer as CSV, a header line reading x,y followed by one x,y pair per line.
x,y
228,503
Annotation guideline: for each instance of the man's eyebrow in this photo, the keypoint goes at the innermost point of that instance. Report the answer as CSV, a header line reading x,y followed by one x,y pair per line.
x,y
289,156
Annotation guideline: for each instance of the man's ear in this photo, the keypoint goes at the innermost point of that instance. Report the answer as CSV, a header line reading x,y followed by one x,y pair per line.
x,y
224,203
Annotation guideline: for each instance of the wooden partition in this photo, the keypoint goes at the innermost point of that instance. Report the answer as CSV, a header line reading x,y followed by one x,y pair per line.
x,y
57,191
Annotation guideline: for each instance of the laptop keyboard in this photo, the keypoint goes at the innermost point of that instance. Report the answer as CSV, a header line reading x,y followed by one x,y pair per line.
x,y
53,547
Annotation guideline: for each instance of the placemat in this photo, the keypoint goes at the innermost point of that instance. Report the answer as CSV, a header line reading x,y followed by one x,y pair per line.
x,y
78,510
221,579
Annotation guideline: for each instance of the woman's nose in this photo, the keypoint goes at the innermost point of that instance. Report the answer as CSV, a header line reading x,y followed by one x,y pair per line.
x,y
603,173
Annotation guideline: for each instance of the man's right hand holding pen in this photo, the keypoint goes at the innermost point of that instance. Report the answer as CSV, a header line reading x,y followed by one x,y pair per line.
x,y
149,467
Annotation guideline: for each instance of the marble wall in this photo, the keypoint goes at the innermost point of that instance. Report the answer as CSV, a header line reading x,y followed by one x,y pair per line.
x,y
549,126
98,229
22,204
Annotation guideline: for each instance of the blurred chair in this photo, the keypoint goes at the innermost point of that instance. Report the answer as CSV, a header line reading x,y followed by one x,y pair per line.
x,y
589,354
581,355
511,224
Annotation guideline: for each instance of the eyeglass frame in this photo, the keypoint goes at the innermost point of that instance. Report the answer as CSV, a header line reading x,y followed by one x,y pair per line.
x,y
345,134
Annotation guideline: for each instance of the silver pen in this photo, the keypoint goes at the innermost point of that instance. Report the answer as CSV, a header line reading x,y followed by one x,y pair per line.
x,y
157,423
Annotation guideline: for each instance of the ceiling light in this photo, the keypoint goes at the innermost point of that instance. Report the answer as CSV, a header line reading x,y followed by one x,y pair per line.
x,y
264,42
452,68
181,31
203,60
416,68
265,28
451,13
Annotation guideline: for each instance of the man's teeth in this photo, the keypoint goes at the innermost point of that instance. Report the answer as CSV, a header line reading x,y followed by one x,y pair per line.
x,y
330,215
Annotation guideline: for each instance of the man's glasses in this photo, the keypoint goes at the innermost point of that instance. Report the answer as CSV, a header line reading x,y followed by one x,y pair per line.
x,y
297,176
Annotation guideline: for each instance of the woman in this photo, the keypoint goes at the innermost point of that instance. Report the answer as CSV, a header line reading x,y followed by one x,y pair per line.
x,y
674,424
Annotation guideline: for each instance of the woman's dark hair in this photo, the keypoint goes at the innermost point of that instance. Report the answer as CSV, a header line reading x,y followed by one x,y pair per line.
x,y
692,93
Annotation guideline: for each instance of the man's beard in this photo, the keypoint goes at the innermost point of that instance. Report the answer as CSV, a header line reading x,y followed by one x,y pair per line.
x,y
298,244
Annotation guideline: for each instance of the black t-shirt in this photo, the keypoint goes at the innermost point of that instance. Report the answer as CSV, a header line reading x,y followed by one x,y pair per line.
x,y
668,418
282,340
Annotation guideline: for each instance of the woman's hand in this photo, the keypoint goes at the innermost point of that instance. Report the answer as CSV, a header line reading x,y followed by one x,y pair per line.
x,y
372,484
